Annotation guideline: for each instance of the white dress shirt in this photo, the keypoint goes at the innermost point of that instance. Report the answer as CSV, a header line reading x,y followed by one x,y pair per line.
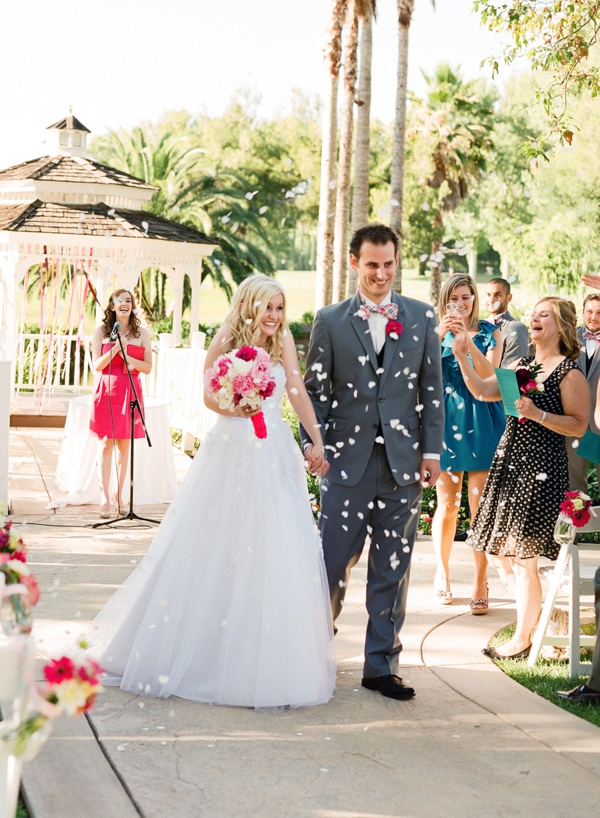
x,y
591,345
377,324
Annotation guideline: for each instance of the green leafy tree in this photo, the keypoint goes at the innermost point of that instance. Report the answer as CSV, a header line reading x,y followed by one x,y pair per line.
x,y
557,39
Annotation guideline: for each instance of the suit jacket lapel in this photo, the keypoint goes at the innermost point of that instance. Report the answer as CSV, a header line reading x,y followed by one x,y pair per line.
x,y
583,354
391,347
361,328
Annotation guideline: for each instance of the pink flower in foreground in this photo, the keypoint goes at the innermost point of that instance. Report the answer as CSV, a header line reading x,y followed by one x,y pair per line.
x,y
59,670
268,390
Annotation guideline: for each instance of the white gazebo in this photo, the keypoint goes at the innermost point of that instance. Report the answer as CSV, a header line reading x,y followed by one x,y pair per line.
x,y
67,208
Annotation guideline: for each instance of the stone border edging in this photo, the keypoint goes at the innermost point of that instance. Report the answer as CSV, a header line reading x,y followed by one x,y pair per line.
x,y
452,651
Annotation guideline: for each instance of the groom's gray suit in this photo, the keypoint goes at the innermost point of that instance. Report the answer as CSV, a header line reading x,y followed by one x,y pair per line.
x,y
379,414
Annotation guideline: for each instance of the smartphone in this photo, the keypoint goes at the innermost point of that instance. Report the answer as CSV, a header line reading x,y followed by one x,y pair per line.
x,y
453,308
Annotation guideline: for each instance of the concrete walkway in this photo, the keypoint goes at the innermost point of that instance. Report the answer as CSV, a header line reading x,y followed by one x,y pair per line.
x,y
471,743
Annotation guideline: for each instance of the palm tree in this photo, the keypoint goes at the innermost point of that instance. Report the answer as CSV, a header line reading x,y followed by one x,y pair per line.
x,y
333,54
214,201
456,121
342,205
362,155
405,11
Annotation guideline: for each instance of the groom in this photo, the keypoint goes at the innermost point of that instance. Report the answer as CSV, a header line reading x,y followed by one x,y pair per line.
x,y
373,373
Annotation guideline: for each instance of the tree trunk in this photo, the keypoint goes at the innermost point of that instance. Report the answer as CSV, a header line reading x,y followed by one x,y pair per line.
x,y
362,157
435,282
473,264
342,207
504,266
333,48
405,10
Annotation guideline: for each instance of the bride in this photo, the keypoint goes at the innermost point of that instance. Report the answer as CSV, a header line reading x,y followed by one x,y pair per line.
x,y
231,605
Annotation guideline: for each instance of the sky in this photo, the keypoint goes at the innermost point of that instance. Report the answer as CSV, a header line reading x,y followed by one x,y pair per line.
x,y
120,62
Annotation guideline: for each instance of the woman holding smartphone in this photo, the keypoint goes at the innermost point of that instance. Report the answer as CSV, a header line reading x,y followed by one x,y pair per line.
x,y
472,431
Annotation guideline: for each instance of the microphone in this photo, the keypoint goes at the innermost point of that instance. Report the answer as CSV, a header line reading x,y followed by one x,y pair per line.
x,y
115,331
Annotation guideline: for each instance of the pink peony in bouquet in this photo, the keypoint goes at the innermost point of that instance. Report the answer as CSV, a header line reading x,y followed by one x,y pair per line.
x,y
242,377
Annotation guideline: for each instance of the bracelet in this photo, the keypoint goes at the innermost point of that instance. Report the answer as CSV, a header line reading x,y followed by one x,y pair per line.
x,y
543,417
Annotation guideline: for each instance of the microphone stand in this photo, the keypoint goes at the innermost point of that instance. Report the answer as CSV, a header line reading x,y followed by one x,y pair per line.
x,y
133,404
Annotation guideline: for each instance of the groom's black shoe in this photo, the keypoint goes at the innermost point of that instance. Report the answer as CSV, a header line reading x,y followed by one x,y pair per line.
x,y
390,686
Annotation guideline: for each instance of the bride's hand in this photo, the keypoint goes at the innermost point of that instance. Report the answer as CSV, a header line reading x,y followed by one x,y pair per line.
x,y
245,412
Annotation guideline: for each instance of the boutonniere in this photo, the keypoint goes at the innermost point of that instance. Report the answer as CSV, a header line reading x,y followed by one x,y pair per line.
x,y
394,329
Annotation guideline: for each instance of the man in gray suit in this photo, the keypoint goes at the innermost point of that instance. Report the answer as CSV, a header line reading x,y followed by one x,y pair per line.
x,y
589,363
373,372
514,333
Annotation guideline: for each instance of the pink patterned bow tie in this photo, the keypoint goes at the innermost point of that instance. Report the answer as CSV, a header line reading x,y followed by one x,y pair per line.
x,y
590,336
389,311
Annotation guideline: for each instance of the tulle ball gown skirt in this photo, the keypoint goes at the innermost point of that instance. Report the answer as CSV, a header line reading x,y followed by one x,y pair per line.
x,y
231,604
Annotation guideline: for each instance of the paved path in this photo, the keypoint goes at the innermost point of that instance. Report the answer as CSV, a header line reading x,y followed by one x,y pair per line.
x,y
472,742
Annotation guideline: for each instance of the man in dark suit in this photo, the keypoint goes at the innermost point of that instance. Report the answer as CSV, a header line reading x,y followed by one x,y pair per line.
x,y
515,335
589,363
373,372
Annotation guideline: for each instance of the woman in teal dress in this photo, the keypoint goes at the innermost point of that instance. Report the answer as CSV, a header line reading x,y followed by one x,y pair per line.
x,y
472,431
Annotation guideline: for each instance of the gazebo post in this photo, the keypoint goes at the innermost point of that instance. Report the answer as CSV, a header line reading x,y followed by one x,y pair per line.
x,y
195,277
177,279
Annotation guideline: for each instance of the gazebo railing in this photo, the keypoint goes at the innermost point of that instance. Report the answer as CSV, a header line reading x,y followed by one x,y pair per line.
x,y
58,363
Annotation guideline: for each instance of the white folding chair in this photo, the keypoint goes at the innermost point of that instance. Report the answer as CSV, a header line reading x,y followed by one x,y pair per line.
x,y
16,666
577,582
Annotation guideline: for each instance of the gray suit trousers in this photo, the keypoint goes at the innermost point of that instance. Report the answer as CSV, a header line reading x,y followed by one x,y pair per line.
x,y
594,680
376,505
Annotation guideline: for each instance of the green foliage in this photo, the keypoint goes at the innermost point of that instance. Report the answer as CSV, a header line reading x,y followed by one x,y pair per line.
x,y
557,39
312,482
21,810
545,678
429,505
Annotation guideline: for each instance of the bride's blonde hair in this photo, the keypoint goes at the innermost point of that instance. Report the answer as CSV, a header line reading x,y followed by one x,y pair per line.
x,y
248,306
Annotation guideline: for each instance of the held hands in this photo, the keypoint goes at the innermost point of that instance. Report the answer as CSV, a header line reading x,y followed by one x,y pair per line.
x,y
315,458
527,409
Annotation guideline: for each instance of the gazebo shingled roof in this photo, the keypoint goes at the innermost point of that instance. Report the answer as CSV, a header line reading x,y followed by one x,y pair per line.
x,y
71,169
70,208
94,220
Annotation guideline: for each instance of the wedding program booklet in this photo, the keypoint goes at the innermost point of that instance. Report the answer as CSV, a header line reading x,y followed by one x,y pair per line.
x,y
509,389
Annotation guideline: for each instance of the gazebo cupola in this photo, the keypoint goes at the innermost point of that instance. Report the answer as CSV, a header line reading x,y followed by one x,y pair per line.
x,y
67,137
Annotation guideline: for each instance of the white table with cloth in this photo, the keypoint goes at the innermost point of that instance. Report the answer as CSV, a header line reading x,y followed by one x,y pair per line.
x,y
77,473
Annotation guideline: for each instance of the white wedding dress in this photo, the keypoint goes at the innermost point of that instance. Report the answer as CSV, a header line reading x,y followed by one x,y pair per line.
x,y
230,605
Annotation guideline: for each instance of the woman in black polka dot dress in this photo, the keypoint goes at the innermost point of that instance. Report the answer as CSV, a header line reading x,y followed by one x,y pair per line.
x,y
529,473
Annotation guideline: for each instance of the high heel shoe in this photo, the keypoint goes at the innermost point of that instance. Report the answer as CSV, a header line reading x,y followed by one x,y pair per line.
x,y
443,597
479,607
104,512
493,653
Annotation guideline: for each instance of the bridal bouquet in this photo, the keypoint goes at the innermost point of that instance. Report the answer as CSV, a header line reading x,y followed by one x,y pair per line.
x,y
576,506
19,586
71,688
529,381
243,377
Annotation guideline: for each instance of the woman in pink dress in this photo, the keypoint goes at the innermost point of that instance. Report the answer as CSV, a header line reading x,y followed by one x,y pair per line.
x,y
111,416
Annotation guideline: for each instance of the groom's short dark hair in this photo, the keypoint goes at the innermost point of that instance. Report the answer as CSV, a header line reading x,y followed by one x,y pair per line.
x,y
375,233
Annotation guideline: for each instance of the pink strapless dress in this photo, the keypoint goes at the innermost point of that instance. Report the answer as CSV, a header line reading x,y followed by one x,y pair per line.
x,y
113,395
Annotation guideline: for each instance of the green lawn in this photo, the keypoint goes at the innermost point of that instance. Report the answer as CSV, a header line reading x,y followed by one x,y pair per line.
x,y
545,678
